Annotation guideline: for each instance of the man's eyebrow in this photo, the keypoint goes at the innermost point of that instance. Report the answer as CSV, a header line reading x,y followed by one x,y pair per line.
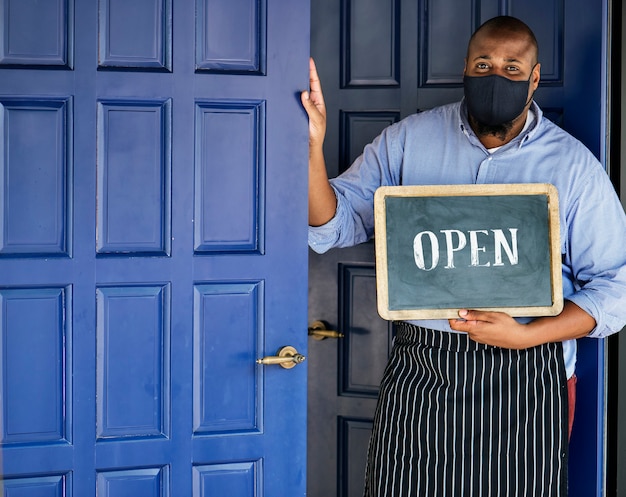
x,y
488,57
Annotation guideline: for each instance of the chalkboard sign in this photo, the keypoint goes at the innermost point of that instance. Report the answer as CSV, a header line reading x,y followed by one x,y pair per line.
x,y
488,247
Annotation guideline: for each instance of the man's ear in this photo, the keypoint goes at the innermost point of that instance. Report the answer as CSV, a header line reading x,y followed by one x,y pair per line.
x,y
536,75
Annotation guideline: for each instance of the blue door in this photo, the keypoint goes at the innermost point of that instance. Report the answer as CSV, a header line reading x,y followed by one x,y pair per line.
x,y
152,247
379,62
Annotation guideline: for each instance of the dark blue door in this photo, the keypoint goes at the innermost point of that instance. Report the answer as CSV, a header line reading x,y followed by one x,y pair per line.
x,y
380,61
152,247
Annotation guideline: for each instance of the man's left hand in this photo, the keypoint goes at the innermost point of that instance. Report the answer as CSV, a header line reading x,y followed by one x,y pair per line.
x,y
493,328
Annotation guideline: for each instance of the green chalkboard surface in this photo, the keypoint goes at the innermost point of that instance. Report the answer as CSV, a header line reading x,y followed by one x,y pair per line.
x,y
444,248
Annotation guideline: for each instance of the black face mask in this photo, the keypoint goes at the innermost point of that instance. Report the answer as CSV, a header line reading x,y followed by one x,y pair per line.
x,y
493,99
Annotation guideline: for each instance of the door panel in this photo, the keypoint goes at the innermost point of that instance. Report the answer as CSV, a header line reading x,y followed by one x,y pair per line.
x,y
35,185
344,373
361,363
134,213
132,362
379,63
152,247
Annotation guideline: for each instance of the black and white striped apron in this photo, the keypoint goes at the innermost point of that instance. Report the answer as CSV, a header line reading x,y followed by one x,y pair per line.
x,y
456,418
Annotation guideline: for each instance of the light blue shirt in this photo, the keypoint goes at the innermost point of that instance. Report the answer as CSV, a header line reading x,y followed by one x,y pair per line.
x,y
438,147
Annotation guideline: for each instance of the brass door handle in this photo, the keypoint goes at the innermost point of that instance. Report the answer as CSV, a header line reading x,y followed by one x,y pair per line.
x,y
318,331
287,357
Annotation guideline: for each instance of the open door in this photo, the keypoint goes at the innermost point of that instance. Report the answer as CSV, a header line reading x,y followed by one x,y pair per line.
x,y
152,247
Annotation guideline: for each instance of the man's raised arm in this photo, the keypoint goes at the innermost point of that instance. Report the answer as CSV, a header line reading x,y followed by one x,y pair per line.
x,y
322,200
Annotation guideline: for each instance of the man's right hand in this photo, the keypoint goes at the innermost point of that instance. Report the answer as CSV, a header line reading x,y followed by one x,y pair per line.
x,y
313,102
322,199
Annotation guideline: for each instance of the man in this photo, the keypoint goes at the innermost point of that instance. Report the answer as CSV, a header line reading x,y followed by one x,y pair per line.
x,y
479,405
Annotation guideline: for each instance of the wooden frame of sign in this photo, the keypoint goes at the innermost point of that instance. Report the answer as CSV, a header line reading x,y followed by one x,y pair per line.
x,y
485,247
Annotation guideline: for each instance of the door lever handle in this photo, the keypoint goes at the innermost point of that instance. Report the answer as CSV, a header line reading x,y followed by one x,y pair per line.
x,y
318,331
287,357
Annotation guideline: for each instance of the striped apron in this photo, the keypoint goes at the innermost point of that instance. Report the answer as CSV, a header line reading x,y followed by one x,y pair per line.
x,y
456,418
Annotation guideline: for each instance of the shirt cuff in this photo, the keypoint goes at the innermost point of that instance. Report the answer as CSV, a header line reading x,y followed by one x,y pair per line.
x,y
589,306
324,237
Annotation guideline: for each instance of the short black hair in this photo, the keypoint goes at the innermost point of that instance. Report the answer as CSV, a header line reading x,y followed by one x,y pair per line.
x,y
508,24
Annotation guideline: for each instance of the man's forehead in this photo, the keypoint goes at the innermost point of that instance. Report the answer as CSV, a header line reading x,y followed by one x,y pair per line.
x,y
508,46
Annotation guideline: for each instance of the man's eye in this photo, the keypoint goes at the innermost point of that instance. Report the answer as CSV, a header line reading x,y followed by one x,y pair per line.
x,y
481,65
512,69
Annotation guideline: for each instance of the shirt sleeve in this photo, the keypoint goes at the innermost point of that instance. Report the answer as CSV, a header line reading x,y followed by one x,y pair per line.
x,y
353,222
345,229
323,238
596,254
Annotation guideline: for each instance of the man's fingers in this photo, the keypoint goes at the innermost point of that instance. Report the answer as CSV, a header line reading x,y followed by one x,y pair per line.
x,y
468,319
465,320
482,316
461,325
309,105
314,80
315,86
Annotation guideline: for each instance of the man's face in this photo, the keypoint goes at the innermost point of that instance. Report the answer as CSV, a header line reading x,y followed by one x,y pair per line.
x,y
504,54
